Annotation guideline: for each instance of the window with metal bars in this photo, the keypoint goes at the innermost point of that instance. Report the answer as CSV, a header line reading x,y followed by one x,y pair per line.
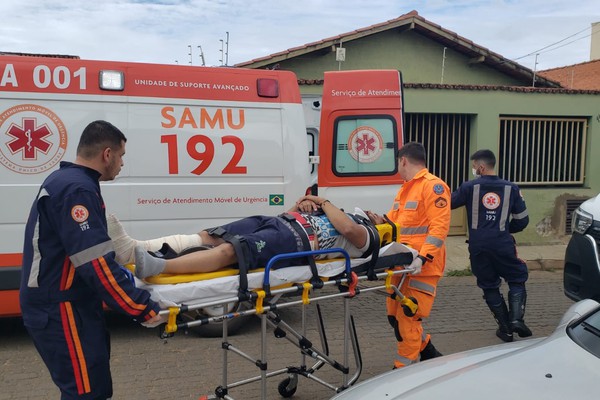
x,y
538,151
446,140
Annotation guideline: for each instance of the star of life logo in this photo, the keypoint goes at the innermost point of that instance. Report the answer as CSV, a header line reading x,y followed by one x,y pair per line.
x,y
32,139
365,144
80,214
491,200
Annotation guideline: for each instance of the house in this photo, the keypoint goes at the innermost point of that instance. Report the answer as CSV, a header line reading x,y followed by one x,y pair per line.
x,y
460,97
584,76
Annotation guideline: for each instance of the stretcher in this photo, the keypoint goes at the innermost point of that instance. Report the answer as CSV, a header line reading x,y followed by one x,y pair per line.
x,y
263,290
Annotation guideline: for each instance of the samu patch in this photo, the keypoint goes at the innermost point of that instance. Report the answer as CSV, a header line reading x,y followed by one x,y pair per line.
x,y
79,213
438,189
441,202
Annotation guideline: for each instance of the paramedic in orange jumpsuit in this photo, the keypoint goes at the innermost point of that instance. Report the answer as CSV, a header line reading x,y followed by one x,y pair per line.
x,y
422,209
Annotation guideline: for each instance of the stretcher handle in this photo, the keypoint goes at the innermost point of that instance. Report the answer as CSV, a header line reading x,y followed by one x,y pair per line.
x,y
300,254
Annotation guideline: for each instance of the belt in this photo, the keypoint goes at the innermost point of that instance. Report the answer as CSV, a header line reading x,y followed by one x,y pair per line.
x,y
304,224
303,230
299,224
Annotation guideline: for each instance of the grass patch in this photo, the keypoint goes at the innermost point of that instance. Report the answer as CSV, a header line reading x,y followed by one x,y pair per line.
x,y
460,272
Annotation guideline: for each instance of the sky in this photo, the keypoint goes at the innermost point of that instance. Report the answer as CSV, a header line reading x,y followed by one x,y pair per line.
x,y
227,32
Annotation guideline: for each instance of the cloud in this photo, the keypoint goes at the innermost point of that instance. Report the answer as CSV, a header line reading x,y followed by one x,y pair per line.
x,y
161,31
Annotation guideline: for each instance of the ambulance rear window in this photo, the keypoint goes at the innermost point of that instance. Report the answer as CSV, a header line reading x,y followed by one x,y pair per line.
x,y
365,145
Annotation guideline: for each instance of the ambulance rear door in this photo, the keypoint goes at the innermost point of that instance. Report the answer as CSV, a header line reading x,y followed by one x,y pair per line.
x,y
361,129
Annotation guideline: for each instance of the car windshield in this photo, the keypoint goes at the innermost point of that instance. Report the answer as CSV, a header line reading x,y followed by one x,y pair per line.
x,y
586,333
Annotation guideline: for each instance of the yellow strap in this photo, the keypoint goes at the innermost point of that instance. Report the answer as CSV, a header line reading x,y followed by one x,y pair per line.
x,y
307,286
259,301
172,321
388,279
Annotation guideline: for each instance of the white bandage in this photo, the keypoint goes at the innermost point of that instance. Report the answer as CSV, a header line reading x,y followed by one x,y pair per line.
x,y
124,244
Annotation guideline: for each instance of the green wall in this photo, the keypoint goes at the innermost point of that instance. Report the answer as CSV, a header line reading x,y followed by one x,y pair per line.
x,y
419,58
546,205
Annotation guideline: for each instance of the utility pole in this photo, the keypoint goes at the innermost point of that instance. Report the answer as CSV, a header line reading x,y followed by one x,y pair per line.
x,y
190,54
201,56
535,68
443,64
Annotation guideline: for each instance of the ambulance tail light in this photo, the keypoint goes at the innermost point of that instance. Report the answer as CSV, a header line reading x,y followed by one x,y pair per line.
x,y
313,189
112,80
267,87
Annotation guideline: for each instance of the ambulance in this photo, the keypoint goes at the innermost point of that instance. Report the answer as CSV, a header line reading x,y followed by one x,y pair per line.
x,y
205,145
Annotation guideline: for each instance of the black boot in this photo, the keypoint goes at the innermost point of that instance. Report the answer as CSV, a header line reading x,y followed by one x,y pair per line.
x,y
500,313
516,305
430,352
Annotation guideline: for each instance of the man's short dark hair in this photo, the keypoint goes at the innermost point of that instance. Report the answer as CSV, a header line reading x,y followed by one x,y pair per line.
x,y
97,136
414,151
485,156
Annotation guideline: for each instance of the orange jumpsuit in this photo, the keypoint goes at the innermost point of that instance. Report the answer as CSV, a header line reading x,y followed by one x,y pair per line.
x,y
422,209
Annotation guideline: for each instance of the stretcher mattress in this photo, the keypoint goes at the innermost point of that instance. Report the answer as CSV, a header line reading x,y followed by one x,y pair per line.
x,y
210,290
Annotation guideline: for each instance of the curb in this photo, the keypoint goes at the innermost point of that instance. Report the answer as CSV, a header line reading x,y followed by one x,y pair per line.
x,y
545,265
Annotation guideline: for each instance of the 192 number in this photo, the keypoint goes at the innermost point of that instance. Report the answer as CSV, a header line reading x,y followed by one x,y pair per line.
x,y
206,154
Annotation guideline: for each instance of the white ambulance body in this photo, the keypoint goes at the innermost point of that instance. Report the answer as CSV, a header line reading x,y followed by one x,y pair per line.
x,y
205,145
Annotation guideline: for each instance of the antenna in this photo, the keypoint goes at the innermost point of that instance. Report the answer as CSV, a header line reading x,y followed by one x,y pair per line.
x,y
227,49
202,56
221,59
190,53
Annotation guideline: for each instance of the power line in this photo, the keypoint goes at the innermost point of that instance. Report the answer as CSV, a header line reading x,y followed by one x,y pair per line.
x,y
555,43
566,44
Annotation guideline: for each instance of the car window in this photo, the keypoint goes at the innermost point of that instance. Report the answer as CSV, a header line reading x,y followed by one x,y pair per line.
x,y
586,333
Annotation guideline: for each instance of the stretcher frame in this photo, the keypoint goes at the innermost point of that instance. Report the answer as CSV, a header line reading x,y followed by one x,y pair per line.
x,y
266,307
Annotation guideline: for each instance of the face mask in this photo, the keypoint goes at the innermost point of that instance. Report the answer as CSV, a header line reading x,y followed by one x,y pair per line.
x,y
475,173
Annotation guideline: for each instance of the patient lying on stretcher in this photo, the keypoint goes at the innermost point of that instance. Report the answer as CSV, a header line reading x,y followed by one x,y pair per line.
x,y
313,221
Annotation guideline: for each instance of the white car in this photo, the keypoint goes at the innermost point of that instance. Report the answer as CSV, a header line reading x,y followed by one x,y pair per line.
x,y
565,365
582,259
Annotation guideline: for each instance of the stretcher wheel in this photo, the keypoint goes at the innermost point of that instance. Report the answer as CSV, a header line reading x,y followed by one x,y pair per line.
x,y
287,388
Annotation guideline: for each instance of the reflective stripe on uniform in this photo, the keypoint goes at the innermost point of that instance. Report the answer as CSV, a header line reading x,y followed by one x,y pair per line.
x,y
37,256
417,230
76,355
475,207
434,241
520,215
92,253
411,205
405,361
422,286
505,207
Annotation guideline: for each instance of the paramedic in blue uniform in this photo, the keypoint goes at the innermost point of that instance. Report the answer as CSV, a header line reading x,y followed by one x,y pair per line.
x,y
69,269
496,210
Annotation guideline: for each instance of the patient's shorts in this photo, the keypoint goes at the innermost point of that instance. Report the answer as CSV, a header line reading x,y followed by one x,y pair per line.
x,y
267,237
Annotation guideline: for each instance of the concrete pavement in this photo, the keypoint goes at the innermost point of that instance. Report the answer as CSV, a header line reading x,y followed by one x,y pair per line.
x,y
187,366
